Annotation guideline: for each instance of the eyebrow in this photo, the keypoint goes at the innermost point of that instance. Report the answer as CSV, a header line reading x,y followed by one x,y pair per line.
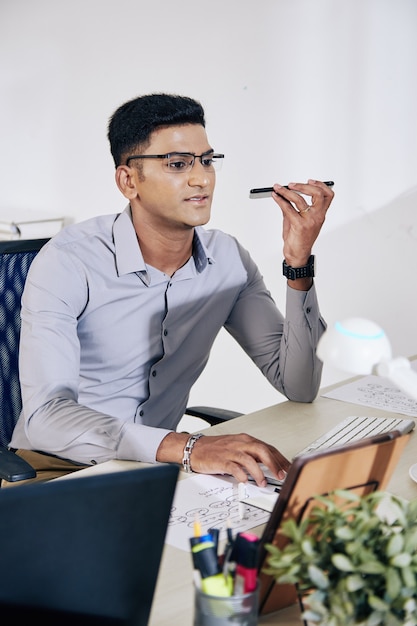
x,y
192,153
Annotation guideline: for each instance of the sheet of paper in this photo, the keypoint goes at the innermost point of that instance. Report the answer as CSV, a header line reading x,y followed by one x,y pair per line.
x,y
378,393
265,501
215,500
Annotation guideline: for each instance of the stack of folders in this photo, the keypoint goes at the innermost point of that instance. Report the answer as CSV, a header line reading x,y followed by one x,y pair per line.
x,y
29,225
233,572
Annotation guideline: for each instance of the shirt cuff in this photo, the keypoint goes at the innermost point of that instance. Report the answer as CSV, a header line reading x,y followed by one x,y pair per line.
x,y
140,443
302,307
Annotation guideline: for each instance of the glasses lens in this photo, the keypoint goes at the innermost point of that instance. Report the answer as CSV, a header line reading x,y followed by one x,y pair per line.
x,y
177,163
216,161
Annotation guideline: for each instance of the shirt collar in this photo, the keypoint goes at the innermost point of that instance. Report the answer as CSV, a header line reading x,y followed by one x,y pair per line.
x,y
129,257
202,255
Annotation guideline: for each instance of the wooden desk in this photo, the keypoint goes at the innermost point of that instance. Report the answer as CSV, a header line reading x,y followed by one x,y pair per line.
x,y
289,426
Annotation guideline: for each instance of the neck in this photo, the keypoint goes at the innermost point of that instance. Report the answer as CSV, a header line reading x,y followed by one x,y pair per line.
x,y
163,256
166,252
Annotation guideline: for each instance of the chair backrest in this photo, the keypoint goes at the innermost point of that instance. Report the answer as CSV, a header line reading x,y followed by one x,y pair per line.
x,y
15,260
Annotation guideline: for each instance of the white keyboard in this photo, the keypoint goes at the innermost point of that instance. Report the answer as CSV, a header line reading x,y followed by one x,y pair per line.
x,y
354,428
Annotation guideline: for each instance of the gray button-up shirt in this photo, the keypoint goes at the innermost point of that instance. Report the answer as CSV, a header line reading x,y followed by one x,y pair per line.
x,y
110,346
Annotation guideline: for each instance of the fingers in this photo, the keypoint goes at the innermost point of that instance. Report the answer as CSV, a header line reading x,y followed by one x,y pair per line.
x,y
238,456
304,207
321,196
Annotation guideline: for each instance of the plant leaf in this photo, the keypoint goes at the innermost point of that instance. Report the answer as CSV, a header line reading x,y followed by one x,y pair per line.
x,y
355,582
372,567
318,577
401,560
378,604
393,582
342,562
395,545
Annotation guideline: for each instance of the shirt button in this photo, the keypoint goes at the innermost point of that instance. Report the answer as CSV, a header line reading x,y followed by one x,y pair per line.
x,y
308,309
141,412
165,332
154,373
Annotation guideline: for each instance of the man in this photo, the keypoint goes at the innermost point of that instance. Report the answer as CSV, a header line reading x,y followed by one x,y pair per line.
x,y
119,312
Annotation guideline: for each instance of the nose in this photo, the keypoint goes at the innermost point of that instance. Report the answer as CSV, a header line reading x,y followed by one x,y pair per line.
x,y
199,176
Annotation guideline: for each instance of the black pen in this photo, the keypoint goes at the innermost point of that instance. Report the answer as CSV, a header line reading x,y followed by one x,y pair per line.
x,y
265,192
214,532
226,561
229,532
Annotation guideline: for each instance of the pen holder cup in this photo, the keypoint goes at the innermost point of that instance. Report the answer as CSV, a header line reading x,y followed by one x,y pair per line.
x,y
236,610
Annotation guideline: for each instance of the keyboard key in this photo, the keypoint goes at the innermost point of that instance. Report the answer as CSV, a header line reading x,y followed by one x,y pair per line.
x,y
355,428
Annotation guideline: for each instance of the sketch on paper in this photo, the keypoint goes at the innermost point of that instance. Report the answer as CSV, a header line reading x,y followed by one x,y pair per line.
x,y
215,500
378,393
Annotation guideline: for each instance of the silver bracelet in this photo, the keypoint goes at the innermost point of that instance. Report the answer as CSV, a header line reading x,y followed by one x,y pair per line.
x,y
186,462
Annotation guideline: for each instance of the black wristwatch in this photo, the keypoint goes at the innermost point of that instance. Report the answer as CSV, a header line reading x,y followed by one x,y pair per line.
x,y
306,271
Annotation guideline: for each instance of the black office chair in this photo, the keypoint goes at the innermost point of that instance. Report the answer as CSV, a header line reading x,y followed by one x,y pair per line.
x,y
15,260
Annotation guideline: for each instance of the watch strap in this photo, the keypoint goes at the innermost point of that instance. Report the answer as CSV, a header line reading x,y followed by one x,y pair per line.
x,y
306,271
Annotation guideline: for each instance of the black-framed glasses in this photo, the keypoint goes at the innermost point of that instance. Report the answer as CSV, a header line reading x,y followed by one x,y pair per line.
x,y
179,162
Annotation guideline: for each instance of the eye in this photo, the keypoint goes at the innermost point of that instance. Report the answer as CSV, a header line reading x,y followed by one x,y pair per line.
x,y
207,161
179,162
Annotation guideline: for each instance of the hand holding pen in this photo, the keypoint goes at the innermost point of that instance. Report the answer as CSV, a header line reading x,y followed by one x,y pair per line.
x,y
266,192
304,207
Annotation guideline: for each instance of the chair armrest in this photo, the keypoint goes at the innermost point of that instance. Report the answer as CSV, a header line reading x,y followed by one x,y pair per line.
x,y
212,415
13,467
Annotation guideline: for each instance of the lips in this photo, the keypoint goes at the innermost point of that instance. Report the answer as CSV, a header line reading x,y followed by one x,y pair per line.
x,y
197,198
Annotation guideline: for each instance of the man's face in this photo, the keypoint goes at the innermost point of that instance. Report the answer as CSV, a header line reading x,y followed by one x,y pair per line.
x,y
174,200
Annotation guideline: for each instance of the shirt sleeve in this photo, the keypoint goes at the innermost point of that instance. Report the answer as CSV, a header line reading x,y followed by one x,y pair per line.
x,y
283,348
52,419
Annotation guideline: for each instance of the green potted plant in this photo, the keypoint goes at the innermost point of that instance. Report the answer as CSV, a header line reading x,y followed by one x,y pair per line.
x,y
353,560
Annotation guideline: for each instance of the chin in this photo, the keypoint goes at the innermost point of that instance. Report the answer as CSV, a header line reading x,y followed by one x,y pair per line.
x,y
199,220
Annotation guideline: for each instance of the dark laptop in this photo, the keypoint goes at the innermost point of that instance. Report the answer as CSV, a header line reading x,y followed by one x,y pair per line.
x,y
85,550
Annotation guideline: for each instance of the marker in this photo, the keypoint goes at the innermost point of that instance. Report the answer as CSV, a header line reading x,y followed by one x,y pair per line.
x,y
246,555
218,585
213,582
265,192
201,539
200,543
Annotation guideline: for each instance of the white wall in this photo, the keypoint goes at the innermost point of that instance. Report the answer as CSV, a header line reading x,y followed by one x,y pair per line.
x,y
292,89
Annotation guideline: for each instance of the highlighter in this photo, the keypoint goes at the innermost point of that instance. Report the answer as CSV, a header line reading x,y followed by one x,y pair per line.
x,y
213,582
218,585
206,564
246,552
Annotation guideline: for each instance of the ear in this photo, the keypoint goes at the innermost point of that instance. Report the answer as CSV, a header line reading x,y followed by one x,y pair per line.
x,y
126,181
